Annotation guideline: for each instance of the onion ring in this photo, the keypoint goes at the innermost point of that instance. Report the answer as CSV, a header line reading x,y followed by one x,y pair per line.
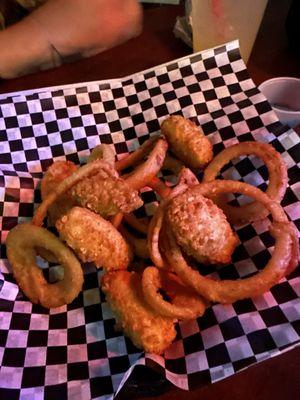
x,y
116,220
277,179
172,164
136,223
228,291
295,248
136,156
159,187
138,245
67,184
132,220
153,235
188,177
156,225
55,174
46,255
143,173
103,152
186,304
21,244
163,247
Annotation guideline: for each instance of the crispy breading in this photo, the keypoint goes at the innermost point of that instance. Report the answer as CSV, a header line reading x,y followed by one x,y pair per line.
x,y
94,239
54,175
146,329
106,196
201,228
103,152
187,141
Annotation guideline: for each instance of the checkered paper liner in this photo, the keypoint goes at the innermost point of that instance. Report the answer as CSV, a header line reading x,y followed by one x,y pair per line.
x,y
74,351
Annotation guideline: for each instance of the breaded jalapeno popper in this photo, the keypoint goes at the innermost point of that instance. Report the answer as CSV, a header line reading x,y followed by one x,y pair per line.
x,y
94,239
147,329
187,141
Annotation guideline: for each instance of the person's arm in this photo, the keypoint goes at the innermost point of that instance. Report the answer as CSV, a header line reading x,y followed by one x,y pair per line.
x,y
63,29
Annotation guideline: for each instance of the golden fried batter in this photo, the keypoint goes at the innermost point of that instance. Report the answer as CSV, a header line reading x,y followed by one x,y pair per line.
x,y
55,174
147,330
106,196
103,152
187,141
201,228
94,239
21,244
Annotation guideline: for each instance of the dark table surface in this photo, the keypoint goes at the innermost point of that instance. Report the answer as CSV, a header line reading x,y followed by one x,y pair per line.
x,y
157,44
277,378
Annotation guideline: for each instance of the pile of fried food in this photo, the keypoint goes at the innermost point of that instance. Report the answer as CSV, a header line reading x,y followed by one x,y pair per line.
x,y
92,209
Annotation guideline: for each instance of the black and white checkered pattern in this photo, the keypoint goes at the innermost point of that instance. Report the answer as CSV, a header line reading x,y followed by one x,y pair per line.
x,y
73,350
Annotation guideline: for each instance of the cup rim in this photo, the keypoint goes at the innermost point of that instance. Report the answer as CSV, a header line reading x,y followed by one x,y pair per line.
x,y
280,79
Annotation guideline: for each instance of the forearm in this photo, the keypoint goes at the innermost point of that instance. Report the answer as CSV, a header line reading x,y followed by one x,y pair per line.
x,y
24,48
82,25
63,28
